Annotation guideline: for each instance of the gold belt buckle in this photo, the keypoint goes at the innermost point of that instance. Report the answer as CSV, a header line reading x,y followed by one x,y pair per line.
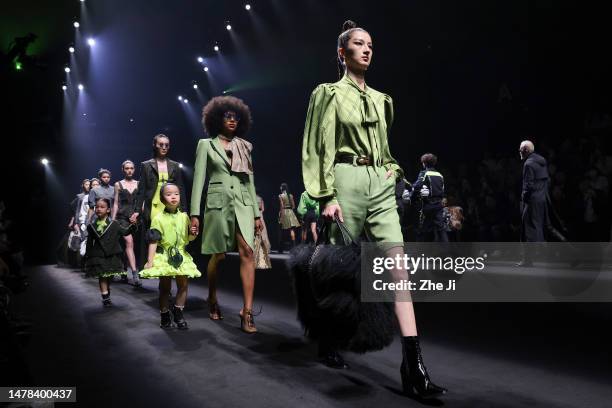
x,y
362,160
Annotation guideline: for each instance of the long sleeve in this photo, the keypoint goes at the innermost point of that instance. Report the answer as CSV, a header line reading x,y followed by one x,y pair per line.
x,y
91,199
199,176
387,160
142,187
528,182
319,143
253,196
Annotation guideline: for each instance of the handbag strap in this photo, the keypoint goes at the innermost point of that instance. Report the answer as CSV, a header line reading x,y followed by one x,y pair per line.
x,y
324,232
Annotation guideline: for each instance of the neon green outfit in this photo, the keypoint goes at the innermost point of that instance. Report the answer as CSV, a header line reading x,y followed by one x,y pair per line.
x,y
156,205
170,230
307,203
344,120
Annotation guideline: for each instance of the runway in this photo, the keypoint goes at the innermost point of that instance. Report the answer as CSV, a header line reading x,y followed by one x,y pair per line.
x,y
487,355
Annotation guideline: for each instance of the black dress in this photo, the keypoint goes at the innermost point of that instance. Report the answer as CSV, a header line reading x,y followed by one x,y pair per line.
x,y
103,254
126,204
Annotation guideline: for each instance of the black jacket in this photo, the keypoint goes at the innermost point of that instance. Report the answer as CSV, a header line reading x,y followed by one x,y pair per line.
x,y
434,182
108,243
535,179
147,185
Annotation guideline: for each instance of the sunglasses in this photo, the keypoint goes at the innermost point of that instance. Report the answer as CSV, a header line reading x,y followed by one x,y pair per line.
x,y
231,116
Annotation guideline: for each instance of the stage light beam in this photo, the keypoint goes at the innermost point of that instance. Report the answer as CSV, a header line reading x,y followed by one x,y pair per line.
x,y
71,50
76,24
200,60
67,70
81,87
44,161
91,42
248,6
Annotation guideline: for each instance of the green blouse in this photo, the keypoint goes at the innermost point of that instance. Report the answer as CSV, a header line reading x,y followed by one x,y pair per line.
x,y
344,119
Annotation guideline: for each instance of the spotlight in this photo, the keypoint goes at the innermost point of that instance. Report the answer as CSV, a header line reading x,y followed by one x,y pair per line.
x,y
200,60
248,7
82,1
205,69
84,114
66,69
81,87
71,49
64,87
131,120
180,165
195,86
216,48
228,27
186,100
76,24
44,161
180,98
91,42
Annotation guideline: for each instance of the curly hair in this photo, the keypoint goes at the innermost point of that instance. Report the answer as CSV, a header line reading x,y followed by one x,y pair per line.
x,y
212,115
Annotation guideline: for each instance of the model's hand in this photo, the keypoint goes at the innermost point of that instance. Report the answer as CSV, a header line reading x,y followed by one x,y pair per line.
x,y
331,210
195,226
148,265
133,218
258,226
389,174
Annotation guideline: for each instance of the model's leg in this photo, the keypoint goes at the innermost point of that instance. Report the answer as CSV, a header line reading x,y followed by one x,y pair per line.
x,y
247,275
179,304
382,225
313,230
292,232
211,273
165,286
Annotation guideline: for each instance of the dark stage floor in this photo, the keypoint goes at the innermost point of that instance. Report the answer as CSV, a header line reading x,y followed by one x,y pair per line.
x,y
488,355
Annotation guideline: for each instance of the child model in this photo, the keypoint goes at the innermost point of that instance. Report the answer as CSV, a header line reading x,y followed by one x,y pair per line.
x,y
103,252
167,258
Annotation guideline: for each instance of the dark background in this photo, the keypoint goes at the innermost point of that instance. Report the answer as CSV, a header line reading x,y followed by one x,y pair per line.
x,y
470,80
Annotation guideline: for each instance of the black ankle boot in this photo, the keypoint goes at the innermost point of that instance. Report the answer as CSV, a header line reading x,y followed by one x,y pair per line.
x,y
106,300
415,380
179,320
166,320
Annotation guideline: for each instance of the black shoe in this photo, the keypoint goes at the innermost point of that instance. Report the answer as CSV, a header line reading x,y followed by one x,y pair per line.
x,y
124,279
333,359
166,320
179,320
524,264
106,302
415,380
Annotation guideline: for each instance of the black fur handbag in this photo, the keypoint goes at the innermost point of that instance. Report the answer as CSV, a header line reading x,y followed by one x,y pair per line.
x,y
326,281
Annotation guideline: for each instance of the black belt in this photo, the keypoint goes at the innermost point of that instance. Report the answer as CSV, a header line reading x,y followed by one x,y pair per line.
x,y
287,208
355,160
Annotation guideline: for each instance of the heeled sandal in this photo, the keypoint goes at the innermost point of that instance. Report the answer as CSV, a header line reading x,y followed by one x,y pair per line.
x,y
247,321
214,312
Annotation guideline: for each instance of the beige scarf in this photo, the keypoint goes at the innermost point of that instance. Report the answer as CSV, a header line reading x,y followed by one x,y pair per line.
x,y
241,154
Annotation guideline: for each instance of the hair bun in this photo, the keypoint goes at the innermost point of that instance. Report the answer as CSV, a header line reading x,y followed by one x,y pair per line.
x,y
348,24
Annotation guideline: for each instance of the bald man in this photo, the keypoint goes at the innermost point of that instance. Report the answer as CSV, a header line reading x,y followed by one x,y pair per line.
x,y
534,215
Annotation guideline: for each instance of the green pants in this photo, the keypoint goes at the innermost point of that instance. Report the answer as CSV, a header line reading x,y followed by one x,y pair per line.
x,y
367,200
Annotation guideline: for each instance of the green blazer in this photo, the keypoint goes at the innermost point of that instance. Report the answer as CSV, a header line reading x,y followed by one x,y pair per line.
x,y
230,198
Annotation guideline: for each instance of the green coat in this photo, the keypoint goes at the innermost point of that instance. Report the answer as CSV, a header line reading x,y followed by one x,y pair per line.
x,y
230,197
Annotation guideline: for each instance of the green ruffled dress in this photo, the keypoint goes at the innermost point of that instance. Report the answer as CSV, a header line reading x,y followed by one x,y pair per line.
x,y
170,230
